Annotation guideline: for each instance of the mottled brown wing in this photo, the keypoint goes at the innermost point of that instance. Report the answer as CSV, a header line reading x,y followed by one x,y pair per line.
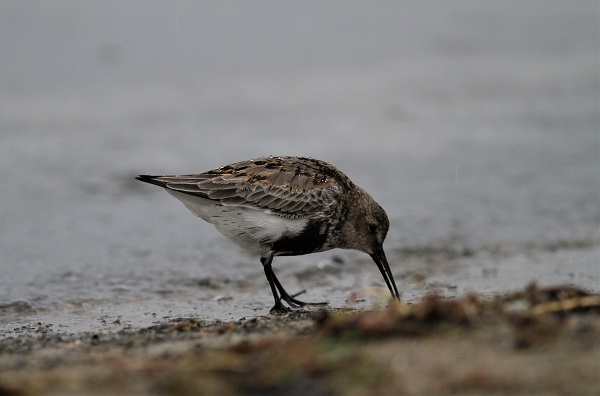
x,y
288,185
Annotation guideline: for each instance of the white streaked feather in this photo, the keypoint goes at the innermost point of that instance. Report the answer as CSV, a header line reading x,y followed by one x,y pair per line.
x,y
251,228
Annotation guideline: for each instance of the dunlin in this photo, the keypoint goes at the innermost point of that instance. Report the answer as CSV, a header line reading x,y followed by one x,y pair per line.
x,y
285,206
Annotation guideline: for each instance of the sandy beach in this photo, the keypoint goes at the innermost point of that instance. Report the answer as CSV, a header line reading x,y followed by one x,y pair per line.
x,y
474,125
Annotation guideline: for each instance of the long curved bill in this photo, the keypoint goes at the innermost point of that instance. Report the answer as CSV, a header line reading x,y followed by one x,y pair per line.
x,y
384,267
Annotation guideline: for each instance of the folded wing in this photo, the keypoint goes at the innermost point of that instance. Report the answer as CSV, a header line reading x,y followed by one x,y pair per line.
x,y
291,191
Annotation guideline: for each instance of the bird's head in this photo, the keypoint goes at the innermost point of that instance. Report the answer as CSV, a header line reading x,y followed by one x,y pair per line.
x,y
365,229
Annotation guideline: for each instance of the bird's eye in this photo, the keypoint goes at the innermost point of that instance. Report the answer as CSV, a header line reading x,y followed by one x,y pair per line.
x,y
372,228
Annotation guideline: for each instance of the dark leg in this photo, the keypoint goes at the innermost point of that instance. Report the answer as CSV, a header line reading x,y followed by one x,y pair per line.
x,y
290,298
266,262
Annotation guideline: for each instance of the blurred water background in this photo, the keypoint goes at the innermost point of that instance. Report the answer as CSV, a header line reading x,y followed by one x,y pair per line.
x,y
474,124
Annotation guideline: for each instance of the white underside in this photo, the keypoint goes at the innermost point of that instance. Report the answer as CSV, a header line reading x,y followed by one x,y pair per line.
x,y
253,229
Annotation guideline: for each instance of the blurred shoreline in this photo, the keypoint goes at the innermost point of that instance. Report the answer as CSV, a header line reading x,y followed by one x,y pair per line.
x,y
475,125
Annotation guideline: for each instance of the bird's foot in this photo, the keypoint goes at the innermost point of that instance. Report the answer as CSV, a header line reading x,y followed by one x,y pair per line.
x,y
299,293
294,303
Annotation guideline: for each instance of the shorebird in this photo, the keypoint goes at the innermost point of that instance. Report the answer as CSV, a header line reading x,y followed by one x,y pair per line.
x,y
285,206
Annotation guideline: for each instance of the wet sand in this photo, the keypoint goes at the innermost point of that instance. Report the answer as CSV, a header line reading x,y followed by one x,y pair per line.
x,y
480,142
474,125
537,341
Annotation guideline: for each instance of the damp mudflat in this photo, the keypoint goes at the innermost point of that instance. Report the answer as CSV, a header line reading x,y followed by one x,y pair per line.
x,y
475,128
534,341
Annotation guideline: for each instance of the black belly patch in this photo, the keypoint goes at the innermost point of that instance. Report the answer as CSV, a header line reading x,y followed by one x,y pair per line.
x,y
310,240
